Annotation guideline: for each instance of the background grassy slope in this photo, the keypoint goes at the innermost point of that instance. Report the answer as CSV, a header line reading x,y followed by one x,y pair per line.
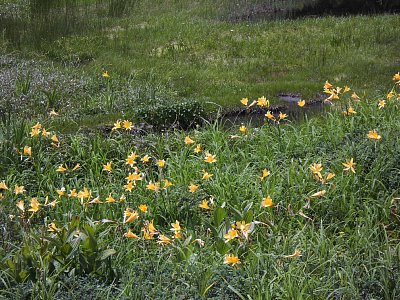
x,y
198,49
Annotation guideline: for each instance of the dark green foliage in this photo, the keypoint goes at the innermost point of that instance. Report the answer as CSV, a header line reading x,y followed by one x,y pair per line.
x,y
344,7
184,114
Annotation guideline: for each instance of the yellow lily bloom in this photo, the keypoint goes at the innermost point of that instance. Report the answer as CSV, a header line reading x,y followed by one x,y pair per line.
x,y
188,140
204,204
267,202
373,135
231,259
349,165
209,158
107,167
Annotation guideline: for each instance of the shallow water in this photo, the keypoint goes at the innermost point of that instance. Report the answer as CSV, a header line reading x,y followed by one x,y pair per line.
x,y
287,104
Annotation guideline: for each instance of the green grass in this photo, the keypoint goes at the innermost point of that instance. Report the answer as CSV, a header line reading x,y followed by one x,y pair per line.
x,y
224,62
348,238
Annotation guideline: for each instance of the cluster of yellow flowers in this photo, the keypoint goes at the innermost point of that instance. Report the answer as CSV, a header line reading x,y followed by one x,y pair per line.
x,y
125,124
37,130
335,92
262,102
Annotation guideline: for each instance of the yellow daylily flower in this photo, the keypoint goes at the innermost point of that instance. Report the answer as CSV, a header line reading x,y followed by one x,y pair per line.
x,y
35,132
77,167
54,138
129,186
390,95
167,184
127,125
149,230
381,104
188,140
130,235
145,159
85,194
396,77
328,85
316,168
232,234
244,228
143,208
21,205
53,113
131,160
318,194
282,116
263,102
95,201
45,133
270,116
37,126
176,227
34,205
134,177
265,174
161,163
73,193
52,227
351,110
105,74
163,240
354,96
204,204
330,176
110,199
130,215
19,189
231,259
373,135
3,185
107,167
117,125
295,254
61,168
244,101
301,103
153,186
61,191
198,148
243,129
206,175
267,202
122,198
193,188
349,165
209,158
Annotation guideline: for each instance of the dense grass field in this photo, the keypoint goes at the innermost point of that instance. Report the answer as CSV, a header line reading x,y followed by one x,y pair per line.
x,y
103,197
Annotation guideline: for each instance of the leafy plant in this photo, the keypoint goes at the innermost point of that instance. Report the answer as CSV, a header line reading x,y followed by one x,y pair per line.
x,y
183,114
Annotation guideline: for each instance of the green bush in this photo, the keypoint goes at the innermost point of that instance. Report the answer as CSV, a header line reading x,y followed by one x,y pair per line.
x,y
167,114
